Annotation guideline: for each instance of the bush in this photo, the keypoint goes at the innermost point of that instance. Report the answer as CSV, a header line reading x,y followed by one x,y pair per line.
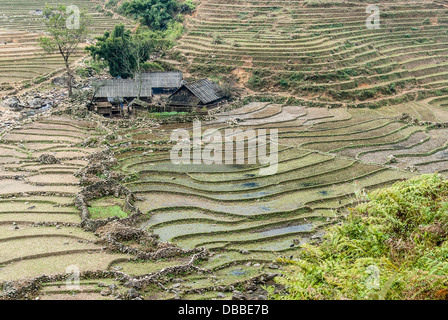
x,y
156,14
257,80
283,83
393,247
111,3
217,39
188,6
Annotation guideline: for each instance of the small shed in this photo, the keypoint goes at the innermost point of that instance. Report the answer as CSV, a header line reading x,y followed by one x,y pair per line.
x,y
115,94
203,93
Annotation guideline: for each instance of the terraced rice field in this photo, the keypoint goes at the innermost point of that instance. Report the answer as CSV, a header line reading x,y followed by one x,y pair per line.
x,y
322,50
20,15
38,199
20,56
40,229
328,158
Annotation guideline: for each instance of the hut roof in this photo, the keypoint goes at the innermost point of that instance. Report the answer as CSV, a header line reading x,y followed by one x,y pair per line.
x,y
170,79
206,91
119,88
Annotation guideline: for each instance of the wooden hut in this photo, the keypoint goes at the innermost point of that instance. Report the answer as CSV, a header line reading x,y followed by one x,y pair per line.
x,y
203,93
114,95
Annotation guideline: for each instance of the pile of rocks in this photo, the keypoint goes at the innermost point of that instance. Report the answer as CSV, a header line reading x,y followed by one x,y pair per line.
x,y
8,117
48,159
34,100
15,108
12,104
121,232
100,165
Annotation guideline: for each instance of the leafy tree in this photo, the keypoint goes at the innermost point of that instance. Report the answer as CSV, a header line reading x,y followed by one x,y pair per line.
x,y
67,28
125,53
156,14
114,48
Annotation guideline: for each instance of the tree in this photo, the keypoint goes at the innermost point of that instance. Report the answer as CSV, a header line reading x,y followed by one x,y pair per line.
x,y
141,49
125,53
67,27
187,6
115,48
156,14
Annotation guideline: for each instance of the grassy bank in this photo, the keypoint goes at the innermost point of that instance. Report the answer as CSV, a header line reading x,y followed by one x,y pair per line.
x,y
391,247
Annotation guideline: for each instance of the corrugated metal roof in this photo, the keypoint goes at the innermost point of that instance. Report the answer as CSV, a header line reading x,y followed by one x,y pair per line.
x,y
206,90
170,79
120,88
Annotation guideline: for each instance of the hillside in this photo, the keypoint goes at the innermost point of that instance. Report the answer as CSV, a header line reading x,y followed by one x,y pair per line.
x,y
21,58
104,195
322,50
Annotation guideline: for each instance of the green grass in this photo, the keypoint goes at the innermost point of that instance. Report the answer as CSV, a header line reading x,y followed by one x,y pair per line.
x,y
104,212
165,115
392,247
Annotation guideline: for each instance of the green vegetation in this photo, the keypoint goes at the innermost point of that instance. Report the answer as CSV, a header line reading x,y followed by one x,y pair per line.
x,y
393,247
258,79
123,52
127,53
163,115
104,212
156,14
64,39
111,4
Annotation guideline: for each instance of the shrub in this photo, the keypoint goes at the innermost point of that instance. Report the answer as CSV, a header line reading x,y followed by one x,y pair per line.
x,y
111,3
257,79
188,6
283,83
394,246
156,14
217,39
